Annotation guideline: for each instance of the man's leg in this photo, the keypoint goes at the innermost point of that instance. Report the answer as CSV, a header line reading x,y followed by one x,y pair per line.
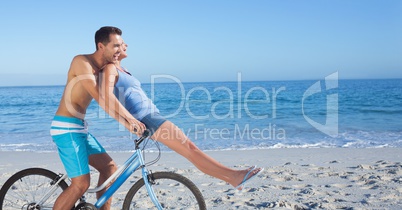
x,y
69,135
171,136
106,167
70,196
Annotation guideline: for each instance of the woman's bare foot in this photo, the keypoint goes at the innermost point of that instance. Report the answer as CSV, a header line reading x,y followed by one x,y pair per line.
x,y
244,176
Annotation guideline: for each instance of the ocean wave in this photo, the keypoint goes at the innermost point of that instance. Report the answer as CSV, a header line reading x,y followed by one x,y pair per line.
x,y
345,139
380,111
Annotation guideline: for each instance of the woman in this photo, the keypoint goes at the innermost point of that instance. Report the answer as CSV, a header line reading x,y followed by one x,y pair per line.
x,y
119,82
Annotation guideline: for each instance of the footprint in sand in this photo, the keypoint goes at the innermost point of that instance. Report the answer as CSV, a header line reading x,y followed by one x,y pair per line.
x,y
206,184
287,179
220,183
299,186
280,187
341,186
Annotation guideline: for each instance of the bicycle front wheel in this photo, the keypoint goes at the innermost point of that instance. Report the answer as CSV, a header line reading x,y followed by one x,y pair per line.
x,y
172,190
25,188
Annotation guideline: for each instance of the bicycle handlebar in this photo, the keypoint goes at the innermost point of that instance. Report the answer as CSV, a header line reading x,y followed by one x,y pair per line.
x,y
142,138
146,133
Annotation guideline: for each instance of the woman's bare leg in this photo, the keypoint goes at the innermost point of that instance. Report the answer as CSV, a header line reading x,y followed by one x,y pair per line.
x,y
171,136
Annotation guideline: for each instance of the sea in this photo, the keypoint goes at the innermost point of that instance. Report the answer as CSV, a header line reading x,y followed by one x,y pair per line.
x,y
238,115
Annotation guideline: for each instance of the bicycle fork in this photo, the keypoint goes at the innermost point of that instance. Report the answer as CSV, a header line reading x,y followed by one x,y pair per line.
x,y
148,180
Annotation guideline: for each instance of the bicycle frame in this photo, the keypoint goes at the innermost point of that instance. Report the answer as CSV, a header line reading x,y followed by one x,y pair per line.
x,y
123,172
53,188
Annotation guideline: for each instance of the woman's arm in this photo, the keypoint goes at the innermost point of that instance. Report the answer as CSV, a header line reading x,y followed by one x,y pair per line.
x,y
112,105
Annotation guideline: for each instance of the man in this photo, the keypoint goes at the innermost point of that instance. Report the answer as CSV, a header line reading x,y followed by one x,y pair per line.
x,y
77,148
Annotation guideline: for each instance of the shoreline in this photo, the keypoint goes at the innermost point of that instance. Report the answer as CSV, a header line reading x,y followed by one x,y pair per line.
x,y
294,178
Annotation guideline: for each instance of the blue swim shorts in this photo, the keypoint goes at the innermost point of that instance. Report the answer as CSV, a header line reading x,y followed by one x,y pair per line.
x,y
74,144
153,121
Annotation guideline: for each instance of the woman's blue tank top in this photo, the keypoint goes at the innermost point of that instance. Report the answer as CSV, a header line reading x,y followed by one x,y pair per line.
x,y
129,92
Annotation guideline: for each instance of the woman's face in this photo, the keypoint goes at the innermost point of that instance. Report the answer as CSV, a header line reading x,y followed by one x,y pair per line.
x,y
123,51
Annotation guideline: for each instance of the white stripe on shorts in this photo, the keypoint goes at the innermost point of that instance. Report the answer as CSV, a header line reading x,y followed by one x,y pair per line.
x,y
67,125
58,128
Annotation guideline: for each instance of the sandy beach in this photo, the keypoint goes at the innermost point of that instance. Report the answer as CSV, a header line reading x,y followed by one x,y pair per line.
x,y
333,178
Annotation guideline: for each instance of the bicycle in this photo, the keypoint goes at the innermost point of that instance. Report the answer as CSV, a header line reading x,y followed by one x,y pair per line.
x,y
38,188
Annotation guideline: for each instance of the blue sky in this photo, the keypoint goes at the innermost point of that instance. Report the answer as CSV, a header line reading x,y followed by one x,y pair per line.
x,y
208,40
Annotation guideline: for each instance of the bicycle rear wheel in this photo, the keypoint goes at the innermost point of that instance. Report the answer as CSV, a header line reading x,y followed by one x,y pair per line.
x,y
173,191
25,188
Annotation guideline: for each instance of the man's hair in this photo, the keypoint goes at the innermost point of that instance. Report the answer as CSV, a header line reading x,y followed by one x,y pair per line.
x,y
102,35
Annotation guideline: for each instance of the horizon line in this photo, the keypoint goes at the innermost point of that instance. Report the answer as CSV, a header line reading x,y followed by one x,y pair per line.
x,y
228,81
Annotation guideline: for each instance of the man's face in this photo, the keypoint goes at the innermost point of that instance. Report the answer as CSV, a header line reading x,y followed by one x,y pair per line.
x,y
113,48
